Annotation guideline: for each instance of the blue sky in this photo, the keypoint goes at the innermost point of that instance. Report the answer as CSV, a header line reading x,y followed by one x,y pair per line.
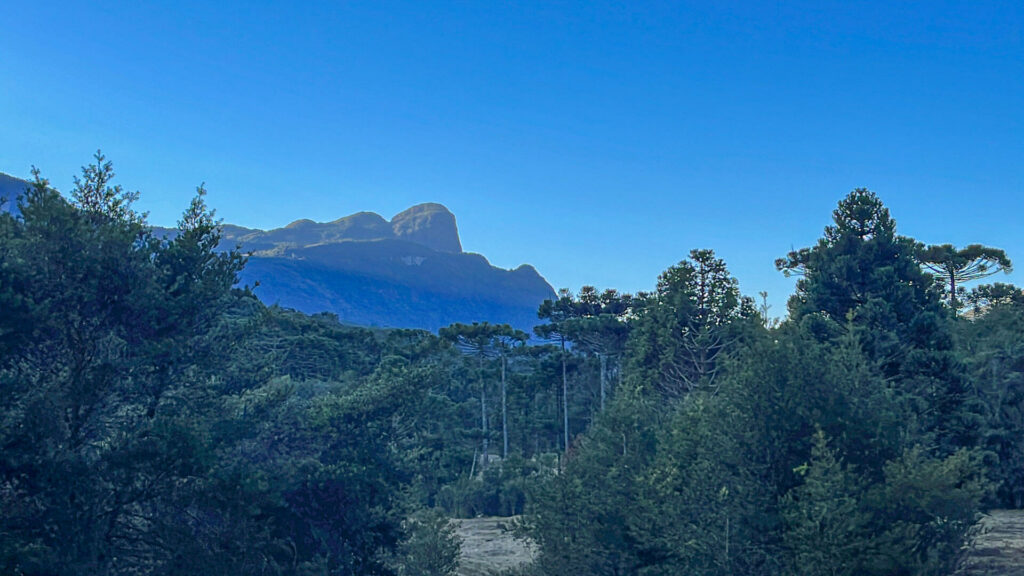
x,y
598,141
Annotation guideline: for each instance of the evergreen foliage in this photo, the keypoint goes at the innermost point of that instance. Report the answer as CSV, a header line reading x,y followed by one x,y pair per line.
x,y
157,419
955,267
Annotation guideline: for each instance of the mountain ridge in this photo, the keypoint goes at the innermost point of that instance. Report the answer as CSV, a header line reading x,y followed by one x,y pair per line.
x,y
407,272
429,224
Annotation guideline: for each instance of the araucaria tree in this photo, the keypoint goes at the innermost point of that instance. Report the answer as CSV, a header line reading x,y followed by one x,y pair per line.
x,y
954,267
601,328
483,341
684,328
558,313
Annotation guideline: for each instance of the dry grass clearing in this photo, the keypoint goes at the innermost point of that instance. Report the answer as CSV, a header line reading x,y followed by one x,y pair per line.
x,y
488,546
998,548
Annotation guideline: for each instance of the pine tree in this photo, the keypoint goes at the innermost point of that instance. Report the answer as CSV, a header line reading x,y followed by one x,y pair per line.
x,y
827,530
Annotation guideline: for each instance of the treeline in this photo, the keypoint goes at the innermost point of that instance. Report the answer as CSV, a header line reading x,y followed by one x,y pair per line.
x,y
156,419
862,435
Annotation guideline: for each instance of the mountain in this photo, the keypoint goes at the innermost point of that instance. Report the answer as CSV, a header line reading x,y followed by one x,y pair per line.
x,y
429,225
10,189
408,272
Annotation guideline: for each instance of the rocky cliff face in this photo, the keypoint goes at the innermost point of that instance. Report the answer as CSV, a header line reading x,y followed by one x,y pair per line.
x,y
409,272
431,225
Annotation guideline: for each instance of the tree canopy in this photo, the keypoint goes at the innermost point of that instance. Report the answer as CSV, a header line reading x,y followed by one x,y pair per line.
x,y
954,267
157,418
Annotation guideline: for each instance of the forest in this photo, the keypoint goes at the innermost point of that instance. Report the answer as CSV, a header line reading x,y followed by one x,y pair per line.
x,y
157,418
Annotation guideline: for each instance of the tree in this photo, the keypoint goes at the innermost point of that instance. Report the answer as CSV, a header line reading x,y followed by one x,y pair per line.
x,y
684,328
558,312
604,336
827,531
506,340
860,262
433,547
987,296
698,502
955,267
104,373
578,514
483,341
924,510
994,354
601,328
94,194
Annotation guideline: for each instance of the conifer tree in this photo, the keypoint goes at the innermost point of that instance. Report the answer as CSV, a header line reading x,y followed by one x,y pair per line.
x,y
954,267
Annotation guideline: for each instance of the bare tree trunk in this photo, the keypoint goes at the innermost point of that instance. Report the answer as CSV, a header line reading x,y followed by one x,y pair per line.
x,y
504,409
483,414
604,373
727,562
952,291
565,397
483,423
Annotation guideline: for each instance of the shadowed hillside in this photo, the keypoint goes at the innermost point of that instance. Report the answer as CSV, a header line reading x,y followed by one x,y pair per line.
x,y
396,283
409,272
10,189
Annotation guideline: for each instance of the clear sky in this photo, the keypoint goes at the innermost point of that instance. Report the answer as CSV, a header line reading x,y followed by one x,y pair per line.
x,y
598,141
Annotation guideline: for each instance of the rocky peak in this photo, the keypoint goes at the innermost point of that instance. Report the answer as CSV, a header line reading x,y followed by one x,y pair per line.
x,y
430,225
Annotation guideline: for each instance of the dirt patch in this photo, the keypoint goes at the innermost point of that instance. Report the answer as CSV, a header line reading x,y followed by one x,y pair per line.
x,y
489,546
998,547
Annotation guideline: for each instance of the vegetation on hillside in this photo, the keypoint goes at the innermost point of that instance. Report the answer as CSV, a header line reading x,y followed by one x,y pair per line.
x,y
155,418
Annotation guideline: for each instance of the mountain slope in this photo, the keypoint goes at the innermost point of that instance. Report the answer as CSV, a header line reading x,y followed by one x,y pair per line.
x,y
409,272
10,189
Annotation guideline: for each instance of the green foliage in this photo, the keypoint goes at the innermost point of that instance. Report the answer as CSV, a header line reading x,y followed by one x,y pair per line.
x,y
826,525
105,374
433,547
601,329
954,267
860,267
155,419
684,330
578,512
926,507
994,354
803,454
143,431
983,297
700,503
863,277
94,195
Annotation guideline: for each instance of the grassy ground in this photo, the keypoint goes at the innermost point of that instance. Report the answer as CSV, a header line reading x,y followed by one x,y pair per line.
x,y
998,548
488,546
